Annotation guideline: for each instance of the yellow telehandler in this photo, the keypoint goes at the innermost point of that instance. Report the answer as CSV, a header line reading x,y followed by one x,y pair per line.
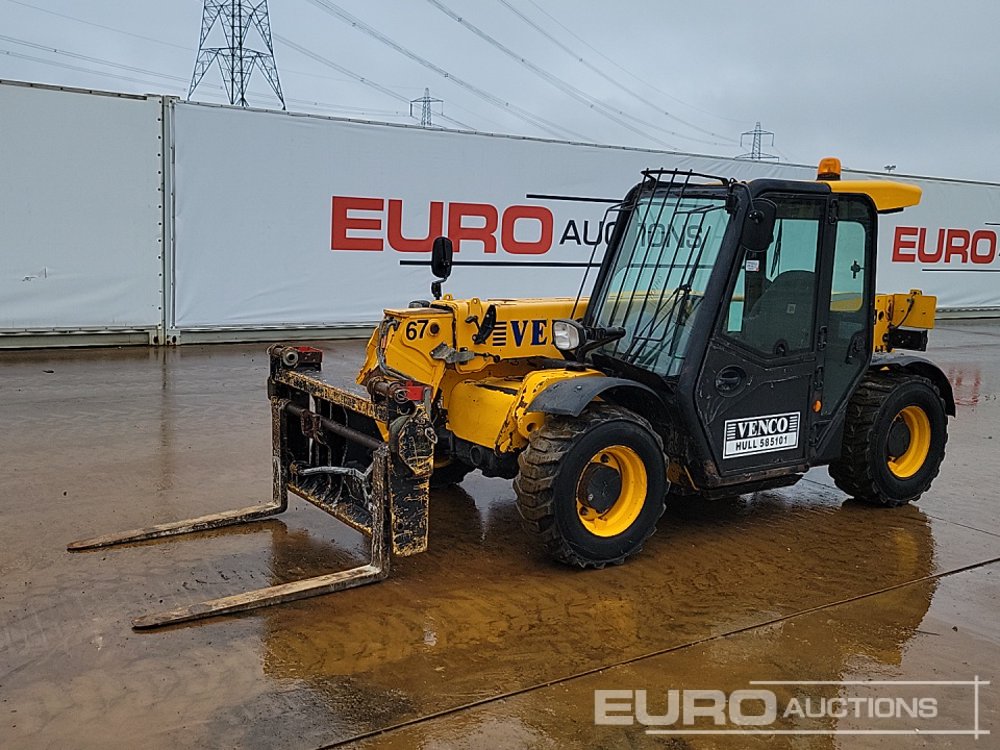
x,y
732,340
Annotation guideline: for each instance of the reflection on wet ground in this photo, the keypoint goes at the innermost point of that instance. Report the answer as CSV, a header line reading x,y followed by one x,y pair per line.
x,y
481,642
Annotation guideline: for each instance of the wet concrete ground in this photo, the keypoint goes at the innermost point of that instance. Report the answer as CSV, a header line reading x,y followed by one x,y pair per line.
x,y
481,642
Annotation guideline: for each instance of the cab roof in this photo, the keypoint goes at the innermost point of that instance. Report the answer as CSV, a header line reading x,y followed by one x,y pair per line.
x,y
887,196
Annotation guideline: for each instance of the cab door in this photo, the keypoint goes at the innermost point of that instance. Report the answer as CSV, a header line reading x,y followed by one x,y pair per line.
x,y
764,363
845,318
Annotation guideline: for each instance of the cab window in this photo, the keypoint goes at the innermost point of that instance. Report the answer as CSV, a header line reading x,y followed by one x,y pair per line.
x,y
772,306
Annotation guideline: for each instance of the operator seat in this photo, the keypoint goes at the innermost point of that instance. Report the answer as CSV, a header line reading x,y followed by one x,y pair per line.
x,y
782,314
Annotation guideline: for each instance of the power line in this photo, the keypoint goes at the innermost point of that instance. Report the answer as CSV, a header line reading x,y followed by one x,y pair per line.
x,y
357,110
237,60
360,25
188,48
594,49
87,58
58,64
105,74
476,114
167,76
100,25
537,121
332,107
781,153
567,88
360,79
617,84
157,74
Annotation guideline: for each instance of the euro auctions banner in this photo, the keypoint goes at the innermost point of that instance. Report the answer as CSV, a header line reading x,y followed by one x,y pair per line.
x,y
946,246
286,220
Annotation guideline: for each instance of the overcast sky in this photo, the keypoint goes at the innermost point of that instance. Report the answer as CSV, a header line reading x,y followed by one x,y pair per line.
x,y
904,82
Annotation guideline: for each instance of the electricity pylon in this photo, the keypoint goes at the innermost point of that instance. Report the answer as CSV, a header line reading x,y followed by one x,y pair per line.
x,y
758,135
239,57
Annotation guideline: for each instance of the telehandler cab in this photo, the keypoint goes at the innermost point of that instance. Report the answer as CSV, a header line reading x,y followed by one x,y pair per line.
x,y
733,339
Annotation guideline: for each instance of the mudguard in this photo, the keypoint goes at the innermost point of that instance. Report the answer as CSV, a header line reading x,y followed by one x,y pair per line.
x,y
919,366
570,397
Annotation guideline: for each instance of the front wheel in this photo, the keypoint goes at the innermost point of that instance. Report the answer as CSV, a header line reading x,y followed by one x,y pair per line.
x,y
590,489
894,439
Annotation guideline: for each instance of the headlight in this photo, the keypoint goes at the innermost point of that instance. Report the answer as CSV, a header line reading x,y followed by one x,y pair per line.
x,y
566,335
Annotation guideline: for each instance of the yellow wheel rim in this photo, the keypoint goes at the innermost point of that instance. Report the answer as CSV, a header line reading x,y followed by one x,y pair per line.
x,y
909,461
627,506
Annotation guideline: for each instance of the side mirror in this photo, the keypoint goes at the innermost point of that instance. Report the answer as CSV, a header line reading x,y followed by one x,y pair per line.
x,y
441,255
758,230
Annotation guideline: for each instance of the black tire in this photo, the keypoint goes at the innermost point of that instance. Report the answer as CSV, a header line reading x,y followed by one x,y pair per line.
x,y
876,432
451,473
553,465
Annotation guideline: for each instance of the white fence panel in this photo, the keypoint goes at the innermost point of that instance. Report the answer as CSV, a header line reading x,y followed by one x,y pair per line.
x,y
80,210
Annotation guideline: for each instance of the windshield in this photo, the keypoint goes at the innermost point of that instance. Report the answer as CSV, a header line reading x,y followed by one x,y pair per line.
x,y
659,275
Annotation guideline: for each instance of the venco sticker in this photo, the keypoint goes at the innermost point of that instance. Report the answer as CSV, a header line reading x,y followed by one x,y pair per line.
x,y
772,432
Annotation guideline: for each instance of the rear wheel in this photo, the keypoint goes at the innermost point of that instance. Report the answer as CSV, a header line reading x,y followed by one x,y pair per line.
x,y
894,439
590,489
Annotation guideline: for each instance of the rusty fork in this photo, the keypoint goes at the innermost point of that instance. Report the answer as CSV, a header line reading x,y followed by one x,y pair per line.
x,y
376,569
